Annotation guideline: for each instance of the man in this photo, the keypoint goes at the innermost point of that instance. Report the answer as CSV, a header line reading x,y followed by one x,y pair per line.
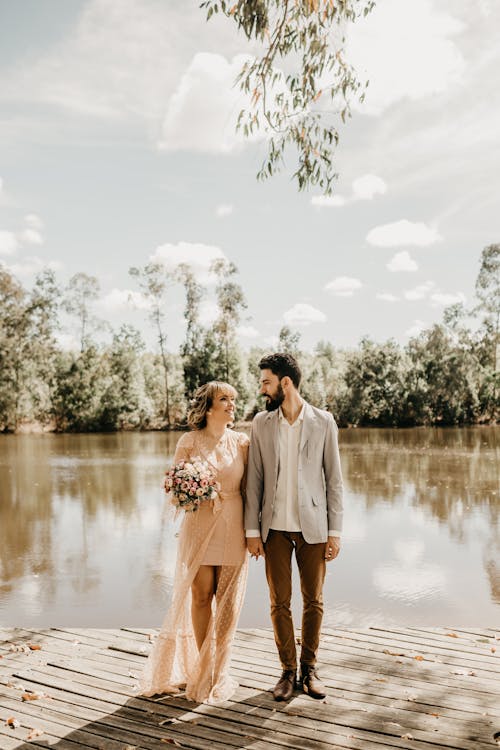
x,y
293,503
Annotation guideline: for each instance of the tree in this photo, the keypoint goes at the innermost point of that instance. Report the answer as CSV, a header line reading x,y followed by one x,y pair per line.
x,y
125,403
43,310
307,38
15,362
82,381
193,351
442,379
81,291
488,294
288,340
231,302
153,281
375,385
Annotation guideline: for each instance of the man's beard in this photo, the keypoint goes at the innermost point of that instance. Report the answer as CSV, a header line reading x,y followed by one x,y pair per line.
x,y
274,402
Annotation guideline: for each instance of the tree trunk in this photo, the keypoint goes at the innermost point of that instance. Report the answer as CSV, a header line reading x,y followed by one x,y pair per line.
x,y
164,360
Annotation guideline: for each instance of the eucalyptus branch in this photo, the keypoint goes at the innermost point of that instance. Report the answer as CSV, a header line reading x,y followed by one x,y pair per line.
x,y
282,105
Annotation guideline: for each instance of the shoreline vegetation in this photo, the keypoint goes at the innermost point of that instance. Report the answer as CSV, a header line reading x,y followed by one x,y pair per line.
x,y
446,375
37,428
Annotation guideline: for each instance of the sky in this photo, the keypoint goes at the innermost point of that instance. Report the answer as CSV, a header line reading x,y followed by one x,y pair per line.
x,y
117,147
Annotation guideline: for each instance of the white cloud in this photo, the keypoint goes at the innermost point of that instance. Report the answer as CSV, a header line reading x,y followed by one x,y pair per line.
x,y
120,58
444,299
402,262
303,314
247,332
403,232
387,297
343,286
419,292
33,221
8,243
31,237
202,113
224,209
123,299
32,265
328,201
417,327
406,50
196,255
366,187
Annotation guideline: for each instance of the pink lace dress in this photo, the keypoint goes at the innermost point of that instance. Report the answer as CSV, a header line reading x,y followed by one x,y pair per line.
x,y
213,535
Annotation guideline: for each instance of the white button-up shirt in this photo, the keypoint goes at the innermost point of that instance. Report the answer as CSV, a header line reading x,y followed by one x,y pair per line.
x,y
286,503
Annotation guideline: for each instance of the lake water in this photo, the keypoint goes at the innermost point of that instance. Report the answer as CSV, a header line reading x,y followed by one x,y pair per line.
x,y
84,540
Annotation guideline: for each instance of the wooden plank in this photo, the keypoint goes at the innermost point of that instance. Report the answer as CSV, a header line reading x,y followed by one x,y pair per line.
x,y
374,701
352,714
384,664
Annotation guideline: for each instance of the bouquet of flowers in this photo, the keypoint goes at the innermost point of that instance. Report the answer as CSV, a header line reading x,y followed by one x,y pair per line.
x,y
190,484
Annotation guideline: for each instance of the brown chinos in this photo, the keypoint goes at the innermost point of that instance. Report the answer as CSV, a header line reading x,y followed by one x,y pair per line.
x,y
312,568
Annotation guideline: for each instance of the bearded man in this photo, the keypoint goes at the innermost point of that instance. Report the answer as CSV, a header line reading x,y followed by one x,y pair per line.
x,y
293,504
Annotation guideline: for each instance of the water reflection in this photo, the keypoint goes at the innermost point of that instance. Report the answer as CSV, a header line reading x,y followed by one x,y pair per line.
x,y
84,538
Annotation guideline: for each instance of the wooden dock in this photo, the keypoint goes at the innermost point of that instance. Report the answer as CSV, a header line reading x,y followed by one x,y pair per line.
x,y
414,688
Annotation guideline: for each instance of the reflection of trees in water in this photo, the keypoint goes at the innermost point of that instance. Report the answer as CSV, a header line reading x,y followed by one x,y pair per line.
x,y
25,515
492,564
446,471
97,472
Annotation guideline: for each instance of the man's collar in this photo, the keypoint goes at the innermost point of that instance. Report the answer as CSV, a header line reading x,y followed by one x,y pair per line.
x,y
300,417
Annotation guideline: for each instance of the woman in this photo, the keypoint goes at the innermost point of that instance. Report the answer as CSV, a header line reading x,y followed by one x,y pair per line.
x,y
193,647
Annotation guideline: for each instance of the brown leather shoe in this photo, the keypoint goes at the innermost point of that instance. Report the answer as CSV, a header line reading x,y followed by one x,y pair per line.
x,y
283,690
311,684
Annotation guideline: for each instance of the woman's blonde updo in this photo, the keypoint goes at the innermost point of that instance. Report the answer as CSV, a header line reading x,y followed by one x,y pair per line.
x,y
203,400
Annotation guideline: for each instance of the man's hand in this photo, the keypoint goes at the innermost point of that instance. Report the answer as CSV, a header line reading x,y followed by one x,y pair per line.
x,y
255,546
332,548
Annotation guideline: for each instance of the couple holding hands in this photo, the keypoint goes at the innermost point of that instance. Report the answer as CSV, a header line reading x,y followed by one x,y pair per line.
x,y
280,492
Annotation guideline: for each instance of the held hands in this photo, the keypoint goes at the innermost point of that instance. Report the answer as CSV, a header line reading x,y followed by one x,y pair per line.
x,y
255,547
332,548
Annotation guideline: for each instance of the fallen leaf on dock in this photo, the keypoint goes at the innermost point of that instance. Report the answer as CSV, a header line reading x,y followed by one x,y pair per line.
x,y
418,658
381,679
492,649
12,722
451,635
34,647
34,733
33,696
393,653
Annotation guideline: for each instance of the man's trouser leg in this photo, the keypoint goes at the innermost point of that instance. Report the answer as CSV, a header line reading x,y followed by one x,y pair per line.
x,y
278,548
312,569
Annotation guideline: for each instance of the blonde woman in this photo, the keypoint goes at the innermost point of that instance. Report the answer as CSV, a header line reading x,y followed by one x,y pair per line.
x,y
193,647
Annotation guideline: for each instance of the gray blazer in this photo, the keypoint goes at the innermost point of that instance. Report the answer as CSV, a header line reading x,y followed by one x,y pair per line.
x,y
319,481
